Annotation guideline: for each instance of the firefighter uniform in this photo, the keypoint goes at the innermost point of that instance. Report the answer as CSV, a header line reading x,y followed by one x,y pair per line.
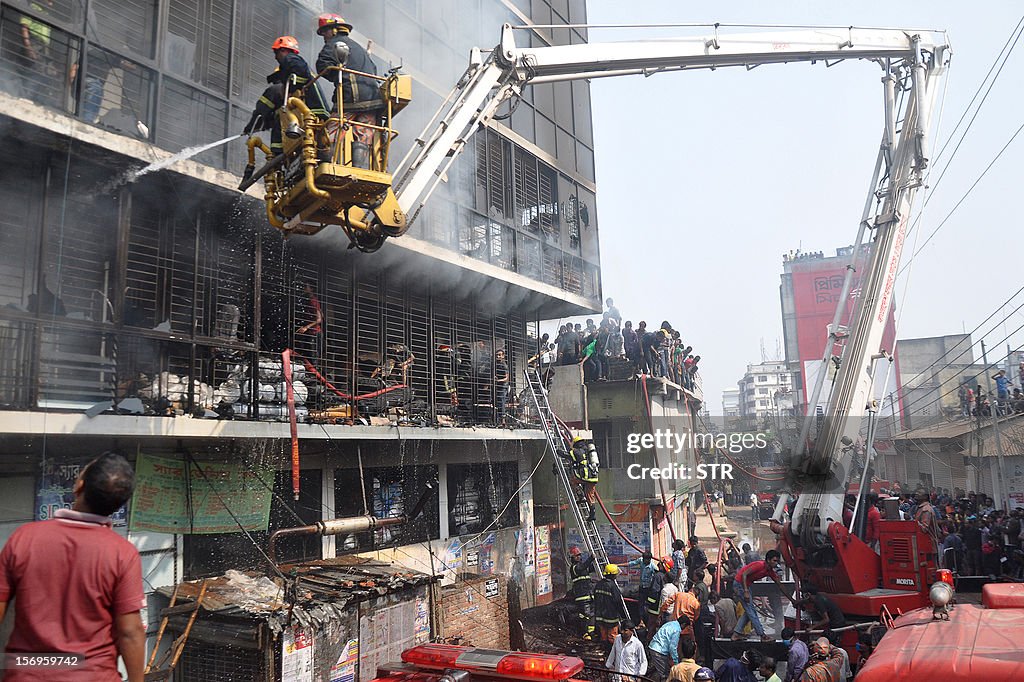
x,y
291,74
652,615
360,94
584,468
608,604
583,592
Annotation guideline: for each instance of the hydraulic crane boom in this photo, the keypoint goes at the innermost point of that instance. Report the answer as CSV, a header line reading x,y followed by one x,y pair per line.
x,y
500,74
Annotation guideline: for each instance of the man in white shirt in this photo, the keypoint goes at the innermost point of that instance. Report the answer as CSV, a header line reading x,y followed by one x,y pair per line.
x,y
753,507
627,654
668,598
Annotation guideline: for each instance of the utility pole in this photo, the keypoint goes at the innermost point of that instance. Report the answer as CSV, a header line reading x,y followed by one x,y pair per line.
x,y
1003,500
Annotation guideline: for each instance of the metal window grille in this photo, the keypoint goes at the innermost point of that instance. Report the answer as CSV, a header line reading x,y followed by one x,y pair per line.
x,y
117,92
389,492
41,70
257,24
189,117
198,41
123,25
477,494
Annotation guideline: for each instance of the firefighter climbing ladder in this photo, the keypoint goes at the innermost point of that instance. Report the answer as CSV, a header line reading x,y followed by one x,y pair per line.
x,y
558,440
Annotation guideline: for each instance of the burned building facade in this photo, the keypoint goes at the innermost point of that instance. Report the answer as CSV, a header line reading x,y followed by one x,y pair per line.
x,y
146,309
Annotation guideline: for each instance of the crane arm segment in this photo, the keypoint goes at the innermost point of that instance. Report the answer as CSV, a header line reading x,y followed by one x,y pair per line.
x,y
495,76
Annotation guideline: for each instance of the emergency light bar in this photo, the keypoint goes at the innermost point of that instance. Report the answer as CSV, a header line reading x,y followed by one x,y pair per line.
x,y
492,662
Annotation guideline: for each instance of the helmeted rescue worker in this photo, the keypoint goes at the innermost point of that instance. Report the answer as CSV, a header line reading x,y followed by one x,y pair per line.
x,y
585,468
292,73
609,608
582,588
360,94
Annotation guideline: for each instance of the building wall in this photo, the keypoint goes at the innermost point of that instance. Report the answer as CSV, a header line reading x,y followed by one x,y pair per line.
x,y
764,388
522,197
475,613
810,292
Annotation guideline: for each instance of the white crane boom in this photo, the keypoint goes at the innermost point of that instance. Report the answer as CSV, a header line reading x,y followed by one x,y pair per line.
x,y
912,64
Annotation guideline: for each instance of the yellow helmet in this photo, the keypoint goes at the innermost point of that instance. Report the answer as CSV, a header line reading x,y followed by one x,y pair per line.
x,y
611,569
576,439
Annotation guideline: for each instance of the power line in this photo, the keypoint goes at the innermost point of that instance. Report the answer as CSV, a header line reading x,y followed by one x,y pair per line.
x,y
957,388
1018,30
993,314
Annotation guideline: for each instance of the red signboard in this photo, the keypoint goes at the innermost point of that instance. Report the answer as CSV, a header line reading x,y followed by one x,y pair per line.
x,y
817,288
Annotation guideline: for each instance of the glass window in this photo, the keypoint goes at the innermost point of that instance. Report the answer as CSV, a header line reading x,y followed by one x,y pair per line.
x,y
587,216
389,492
117,93
212,554
582,119
544,99
124,25
189,117
482,496
585,161
37,60
545,134
197,41
64,12
566,149
522,121
563,105
257,24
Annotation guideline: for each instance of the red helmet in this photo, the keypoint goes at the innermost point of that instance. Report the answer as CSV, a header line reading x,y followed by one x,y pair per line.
x,y
326,21
574,551
286,43
666,561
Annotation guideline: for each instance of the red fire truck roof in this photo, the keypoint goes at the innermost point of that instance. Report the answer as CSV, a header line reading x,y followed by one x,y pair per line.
x,y
976,643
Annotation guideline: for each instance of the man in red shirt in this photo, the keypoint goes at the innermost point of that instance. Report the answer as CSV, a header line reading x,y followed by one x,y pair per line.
x,y
77,583
747,575
871,527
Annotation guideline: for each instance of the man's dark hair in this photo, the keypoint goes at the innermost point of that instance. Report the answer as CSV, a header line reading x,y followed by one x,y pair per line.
x,y
677,544
788,633
687,647
694,539
626,625
714,597
108,482
745,547
769,663
772,554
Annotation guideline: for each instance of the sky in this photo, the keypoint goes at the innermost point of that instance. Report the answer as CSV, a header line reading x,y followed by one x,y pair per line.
x,y
706,178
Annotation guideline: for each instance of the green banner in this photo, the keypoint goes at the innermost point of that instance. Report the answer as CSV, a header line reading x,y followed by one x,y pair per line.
x,y
221,493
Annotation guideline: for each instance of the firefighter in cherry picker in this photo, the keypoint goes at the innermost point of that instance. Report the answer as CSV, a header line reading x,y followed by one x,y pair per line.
x,y
291,74
582,588
585,467
360,94
609,608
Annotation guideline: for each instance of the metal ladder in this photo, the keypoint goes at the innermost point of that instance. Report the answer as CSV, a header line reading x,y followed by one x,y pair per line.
x,y
559,439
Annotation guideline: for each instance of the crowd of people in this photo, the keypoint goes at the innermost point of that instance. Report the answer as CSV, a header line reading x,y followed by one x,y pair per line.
x,y
974,537
670,637
974,402
660,352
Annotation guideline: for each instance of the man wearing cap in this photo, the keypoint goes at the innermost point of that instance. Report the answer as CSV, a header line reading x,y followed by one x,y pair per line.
x,y
360,93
